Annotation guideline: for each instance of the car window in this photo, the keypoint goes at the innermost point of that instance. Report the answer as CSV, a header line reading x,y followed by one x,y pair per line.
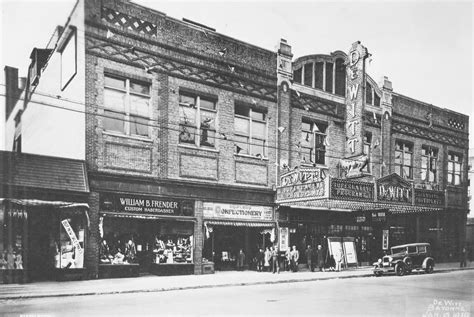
x,y
422,249
398,250
412,249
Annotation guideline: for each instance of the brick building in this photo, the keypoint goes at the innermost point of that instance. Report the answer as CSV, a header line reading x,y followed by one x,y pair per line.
x,y
188,135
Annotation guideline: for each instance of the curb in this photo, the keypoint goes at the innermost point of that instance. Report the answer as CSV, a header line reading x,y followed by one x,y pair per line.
x,y
180,288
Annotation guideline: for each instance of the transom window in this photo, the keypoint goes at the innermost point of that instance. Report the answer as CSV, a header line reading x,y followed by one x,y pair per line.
x,y
404,159
454,168
126,104
197,119
429,163
324,75
313,142
250,128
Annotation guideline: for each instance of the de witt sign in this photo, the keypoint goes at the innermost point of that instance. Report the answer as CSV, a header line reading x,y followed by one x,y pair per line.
x,y
355,99
393,188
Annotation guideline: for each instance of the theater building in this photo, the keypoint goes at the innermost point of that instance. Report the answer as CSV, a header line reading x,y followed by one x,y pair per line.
x,y
365,166
197,145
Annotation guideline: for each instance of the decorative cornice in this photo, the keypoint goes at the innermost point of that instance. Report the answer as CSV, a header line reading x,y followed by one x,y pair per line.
x,y
429,134
155,61
315,104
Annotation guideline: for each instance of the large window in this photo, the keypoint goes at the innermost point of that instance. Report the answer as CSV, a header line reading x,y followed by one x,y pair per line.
x,y
70,249
454,168
429,163
313,139
126,104
404,159
250,126
197,119
308,74
367,148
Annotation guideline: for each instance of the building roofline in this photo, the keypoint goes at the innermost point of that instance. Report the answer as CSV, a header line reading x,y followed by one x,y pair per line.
x,y
428,104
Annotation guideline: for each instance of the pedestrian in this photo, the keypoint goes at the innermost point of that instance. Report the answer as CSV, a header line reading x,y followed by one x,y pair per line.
x,y
309,258
275,264
320,258
287,259
267,258
331,263
338,259
240,260
464,257
260,260
295,255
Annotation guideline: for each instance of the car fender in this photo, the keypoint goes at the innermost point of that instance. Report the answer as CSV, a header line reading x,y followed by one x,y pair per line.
x,y
408,262
426,261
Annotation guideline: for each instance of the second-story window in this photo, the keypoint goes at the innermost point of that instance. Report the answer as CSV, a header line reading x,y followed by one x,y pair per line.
x,y
313,148
404,159
454,168
429,162
126,106
250,126
197,119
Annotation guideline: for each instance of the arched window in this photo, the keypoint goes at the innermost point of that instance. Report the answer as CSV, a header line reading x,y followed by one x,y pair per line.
x,y
340,77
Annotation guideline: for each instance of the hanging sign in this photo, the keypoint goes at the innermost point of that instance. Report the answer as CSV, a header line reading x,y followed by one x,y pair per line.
x,y
385,239
355,99
72,235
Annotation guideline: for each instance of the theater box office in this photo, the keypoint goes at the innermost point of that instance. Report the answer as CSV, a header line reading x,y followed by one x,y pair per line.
x,y
145,234
230,228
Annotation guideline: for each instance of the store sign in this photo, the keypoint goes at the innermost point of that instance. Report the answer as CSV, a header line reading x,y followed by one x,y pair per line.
x,y
429,197
302,184
378,216
355,99
147,205
351,190
284,238
238,212
393,188
72,235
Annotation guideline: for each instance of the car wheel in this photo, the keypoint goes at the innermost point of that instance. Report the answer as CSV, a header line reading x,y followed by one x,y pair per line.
x,y
429,268
378,274
400,269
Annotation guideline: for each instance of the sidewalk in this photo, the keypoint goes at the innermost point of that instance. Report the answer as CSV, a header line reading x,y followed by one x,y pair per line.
x,y
153,283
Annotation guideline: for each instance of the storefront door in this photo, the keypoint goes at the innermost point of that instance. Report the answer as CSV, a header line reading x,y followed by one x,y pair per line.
x,y
41,246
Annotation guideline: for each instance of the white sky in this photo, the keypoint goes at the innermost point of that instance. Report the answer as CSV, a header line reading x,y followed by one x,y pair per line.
x,y
425,48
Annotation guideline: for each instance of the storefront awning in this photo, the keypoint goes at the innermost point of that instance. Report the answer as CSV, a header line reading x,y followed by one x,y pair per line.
x,y
350,206
38,203
240,223
144,216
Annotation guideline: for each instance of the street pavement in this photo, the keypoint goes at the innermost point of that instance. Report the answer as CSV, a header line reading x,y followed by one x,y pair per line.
x,y
153,283
449,294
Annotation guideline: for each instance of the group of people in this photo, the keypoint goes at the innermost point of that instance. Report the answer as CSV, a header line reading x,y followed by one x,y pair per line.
x,y
270,259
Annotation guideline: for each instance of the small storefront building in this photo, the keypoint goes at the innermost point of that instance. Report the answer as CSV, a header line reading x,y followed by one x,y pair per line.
x,y
230,228
44,220
145,235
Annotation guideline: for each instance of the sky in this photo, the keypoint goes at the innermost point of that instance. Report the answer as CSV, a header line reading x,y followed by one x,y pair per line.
x,y
424,48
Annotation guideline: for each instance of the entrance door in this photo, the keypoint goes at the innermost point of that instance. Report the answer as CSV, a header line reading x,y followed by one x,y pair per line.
x,y
41,245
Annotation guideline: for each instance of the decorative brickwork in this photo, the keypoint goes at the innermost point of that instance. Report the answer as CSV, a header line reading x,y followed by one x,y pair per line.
x,y
129,22
313,104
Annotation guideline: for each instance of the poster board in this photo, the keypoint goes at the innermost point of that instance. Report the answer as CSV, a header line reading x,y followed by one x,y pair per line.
x,y
334,244
350,253
284,238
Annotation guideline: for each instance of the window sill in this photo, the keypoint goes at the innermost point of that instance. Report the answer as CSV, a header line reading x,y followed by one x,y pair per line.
x,y
313,165
193,147
125,136
251,157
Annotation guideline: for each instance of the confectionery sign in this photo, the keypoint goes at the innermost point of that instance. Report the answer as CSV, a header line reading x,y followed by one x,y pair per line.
x,y
238,212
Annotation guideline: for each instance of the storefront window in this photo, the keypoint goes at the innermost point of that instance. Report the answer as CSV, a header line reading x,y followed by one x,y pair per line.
x,y
70,251
144,241
12,223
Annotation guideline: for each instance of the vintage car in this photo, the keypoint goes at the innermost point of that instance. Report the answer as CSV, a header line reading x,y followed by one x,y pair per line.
x,y
406,258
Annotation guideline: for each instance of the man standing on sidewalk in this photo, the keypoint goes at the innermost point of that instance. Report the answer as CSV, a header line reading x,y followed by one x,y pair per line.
x,y
320,258
464,257
295,255
309,258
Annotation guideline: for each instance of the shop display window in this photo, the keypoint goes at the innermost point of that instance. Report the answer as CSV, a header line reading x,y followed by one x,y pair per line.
x,y
173,249
69,251
12,228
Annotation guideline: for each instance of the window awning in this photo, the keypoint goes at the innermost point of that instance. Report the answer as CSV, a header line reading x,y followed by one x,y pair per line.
x,y
144,216
262,224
